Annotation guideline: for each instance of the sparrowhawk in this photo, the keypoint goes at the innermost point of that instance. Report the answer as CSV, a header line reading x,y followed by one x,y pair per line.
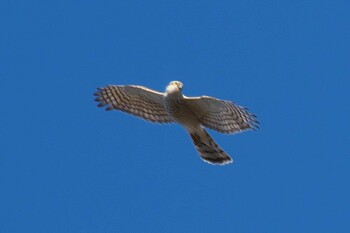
x,y
193,113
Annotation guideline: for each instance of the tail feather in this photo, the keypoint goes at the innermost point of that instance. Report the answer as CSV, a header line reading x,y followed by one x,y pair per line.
x,y
207,148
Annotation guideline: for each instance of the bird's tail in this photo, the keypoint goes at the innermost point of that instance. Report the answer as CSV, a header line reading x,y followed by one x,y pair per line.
x,y
207,148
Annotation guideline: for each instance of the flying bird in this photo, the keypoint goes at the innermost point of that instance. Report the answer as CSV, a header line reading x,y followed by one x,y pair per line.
x,y
193,113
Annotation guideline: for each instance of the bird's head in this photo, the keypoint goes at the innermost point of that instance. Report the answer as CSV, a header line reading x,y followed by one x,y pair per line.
x,y
174,87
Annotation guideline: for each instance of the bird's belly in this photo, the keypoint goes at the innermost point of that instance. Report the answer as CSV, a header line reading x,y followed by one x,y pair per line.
x,y
183,115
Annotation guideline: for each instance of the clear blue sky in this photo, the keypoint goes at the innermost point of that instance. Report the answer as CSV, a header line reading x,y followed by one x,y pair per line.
x,y
68,166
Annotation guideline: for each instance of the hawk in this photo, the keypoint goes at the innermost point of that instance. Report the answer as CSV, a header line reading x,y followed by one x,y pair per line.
x,y
193,113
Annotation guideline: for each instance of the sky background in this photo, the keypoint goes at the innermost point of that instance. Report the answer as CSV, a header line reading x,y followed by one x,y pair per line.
x,y
68,166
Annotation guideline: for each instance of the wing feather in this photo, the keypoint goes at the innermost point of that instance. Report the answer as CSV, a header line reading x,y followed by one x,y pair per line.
x,y
137,100
221,115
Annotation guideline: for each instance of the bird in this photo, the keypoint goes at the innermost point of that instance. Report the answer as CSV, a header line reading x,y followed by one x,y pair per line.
x,y
194,114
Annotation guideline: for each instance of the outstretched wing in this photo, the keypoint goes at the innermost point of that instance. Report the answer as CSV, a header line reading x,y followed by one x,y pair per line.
x,y
136,100
220,115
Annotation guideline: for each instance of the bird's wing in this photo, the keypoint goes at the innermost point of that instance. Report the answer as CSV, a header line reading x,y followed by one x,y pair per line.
x,y
136,100
222,116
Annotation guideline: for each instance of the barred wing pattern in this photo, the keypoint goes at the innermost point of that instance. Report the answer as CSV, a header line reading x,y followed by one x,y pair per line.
x,y
137,100
222,116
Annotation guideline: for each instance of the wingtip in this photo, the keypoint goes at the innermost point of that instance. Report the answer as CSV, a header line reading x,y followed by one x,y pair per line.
x,y
101,104
98,99
109,108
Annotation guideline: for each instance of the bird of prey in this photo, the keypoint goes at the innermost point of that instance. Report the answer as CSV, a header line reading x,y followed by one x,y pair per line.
x,y
193,113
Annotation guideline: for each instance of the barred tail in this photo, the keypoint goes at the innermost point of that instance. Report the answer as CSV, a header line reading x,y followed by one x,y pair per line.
x,y
207,148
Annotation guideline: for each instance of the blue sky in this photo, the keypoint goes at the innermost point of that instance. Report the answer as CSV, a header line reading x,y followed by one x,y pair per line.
x,y
68,166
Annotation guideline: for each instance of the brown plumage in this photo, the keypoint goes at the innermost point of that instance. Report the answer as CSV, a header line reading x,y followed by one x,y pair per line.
x,y
193,113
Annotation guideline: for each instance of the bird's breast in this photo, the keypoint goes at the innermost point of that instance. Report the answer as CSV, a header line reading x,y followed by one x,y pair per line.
x,y
181,112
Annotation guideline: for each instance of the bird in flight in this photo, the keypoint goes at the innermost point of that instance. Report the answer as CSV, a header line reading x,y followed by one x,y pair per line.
x,y
193,113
